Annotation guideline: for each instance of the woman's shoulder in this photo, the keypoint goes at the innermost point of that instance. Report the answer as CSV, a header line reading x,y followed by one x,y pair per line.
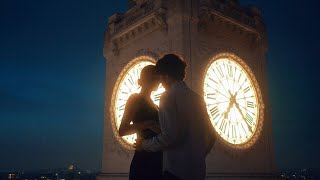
x,y
134,98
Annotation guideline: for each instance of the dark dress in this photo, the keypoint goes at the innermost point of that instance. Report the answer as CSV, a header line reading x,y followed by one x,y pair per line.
x,y
145,165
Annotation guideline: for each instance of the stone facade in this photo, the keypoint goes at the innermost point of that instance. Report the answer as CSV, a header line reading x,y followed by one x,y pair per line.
x,y
197,30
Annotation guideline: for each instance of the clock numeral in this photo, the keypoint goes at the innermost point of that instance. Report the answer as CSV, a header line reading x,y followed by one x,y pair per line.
x,y
136,73
128,86
209,85
233,131
223,126
121,108
230,71
244,130
220,71
249,119
132,81
247,89
250,104
245,80
213,80
157,97
125,92
211,96
227,128
214,112
239,77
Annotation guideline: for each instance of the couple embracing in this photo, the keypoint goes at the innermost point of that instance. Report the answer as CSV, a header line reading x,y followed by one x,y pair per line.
x,y
174,139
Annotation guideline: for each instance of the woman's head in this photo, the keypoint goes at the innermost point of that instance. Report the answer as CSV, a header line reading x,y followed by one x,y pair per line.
x,y
149,79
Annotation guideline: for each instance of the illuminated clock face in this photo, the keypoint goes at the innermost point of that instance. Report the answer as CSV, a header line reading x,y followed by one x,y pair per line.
x,y
127,84
233,100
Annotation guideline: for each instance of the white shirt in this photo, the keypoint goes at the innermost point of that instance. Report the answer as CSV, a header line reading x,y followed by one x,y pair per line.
x,y
186,133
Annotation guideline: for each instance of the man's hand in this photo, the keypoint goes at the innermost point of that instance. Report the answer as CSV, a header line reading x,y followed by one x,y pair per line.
x,y
148,124
155,128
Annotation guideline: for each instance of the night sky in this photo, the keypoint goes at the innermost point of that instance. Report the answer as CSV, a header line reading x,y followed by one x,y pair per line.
x,y
52,77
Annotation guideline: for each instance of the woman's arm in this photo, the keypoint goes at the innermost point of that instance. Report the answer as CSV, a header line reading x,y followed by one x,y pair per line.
x,y
125,127
130,109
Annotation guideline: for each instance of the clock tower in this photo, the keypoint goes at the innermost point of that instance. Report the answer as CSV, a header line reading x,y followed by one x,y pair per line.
x,y
224,45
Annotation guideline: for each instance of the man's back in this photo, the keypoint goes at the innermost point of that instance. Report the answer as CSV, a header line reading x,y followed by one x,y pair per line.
x,y
185,157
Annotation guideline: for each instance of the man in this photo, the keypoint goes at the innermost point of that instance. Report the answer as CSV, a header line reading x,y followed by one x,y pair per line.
x,y
187,135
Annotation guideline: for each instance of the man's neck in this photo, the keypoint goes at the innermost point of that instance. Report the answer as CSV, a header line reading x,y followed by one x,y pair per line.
x,y
172,83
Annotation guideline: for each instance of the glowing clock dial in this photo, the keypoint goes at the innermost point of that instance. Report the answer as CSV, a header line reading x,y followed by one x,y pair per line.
x,y
232,99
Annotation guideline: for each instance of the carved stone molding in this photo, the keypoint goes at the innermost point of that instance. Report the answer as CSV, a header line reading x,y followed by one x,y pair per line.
x,y
204,18
156,20
161,19
232,15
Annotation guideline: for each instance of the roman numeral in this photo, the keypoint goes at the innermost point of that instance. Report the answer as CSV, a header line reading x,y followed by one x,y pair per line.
x,y
220,71
223,126
245,130
125,92
157,97
210,78
128,86
121,108
136,73
130,79
250,104
249,119
239,78
234,132
247,89
226,129
209,85
211,96
214,112
230,71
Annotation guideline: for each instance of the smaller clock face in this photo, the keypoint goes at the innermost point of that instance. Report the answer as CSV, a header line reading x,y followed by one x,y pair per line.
x,y
129,85
232,100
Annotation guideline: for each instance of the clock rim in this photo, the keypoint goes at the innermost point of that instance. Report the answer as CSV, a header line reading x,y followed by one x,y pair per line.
x,y
260,119
119,80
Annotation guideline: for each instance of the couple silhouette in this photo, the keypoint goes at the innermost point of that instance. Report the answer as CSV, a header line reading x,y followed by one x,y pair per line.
x,y
174,139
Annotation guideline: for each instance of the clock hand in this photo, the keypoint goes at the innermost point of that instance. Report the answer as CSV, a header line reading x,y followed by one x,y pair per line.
x,y
237,106
226,113
232,101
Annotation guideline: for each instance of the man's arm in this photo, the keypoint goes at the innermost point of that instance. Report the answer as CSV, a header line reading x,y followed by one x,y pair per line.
x,y
170,128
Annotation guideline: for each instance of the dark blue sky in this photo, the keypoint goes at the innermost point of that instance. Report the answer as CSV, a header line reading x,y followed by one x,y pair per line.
x,y
52,77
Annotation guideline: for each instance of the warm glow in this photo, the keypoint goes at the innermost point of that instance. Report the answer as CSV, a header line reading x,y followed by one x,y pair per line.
x,y
231,100
129,85
71,167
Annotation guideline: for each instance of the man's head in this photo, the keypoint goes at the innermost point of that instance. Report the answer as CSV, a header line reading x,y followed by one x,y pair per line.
x,y
171,68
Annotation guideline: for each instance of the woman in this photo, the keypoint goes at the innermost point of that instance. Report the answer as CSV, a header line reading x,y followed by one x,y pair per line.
x,y
141,117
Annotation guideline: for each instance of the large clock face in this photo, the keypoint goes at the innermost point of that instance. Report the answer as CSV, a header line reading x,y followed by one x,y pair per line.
x,y
126,85
233,100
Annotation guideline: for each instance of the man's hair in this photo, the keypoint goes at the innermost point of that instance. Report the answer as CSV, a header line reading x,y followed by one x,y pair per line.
x,y
171,65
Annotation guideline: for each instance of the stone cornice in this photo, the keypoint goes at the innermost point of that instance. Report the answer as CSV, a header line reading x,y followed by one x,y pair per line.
x,y
121,22
246,18
152,22
136,22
